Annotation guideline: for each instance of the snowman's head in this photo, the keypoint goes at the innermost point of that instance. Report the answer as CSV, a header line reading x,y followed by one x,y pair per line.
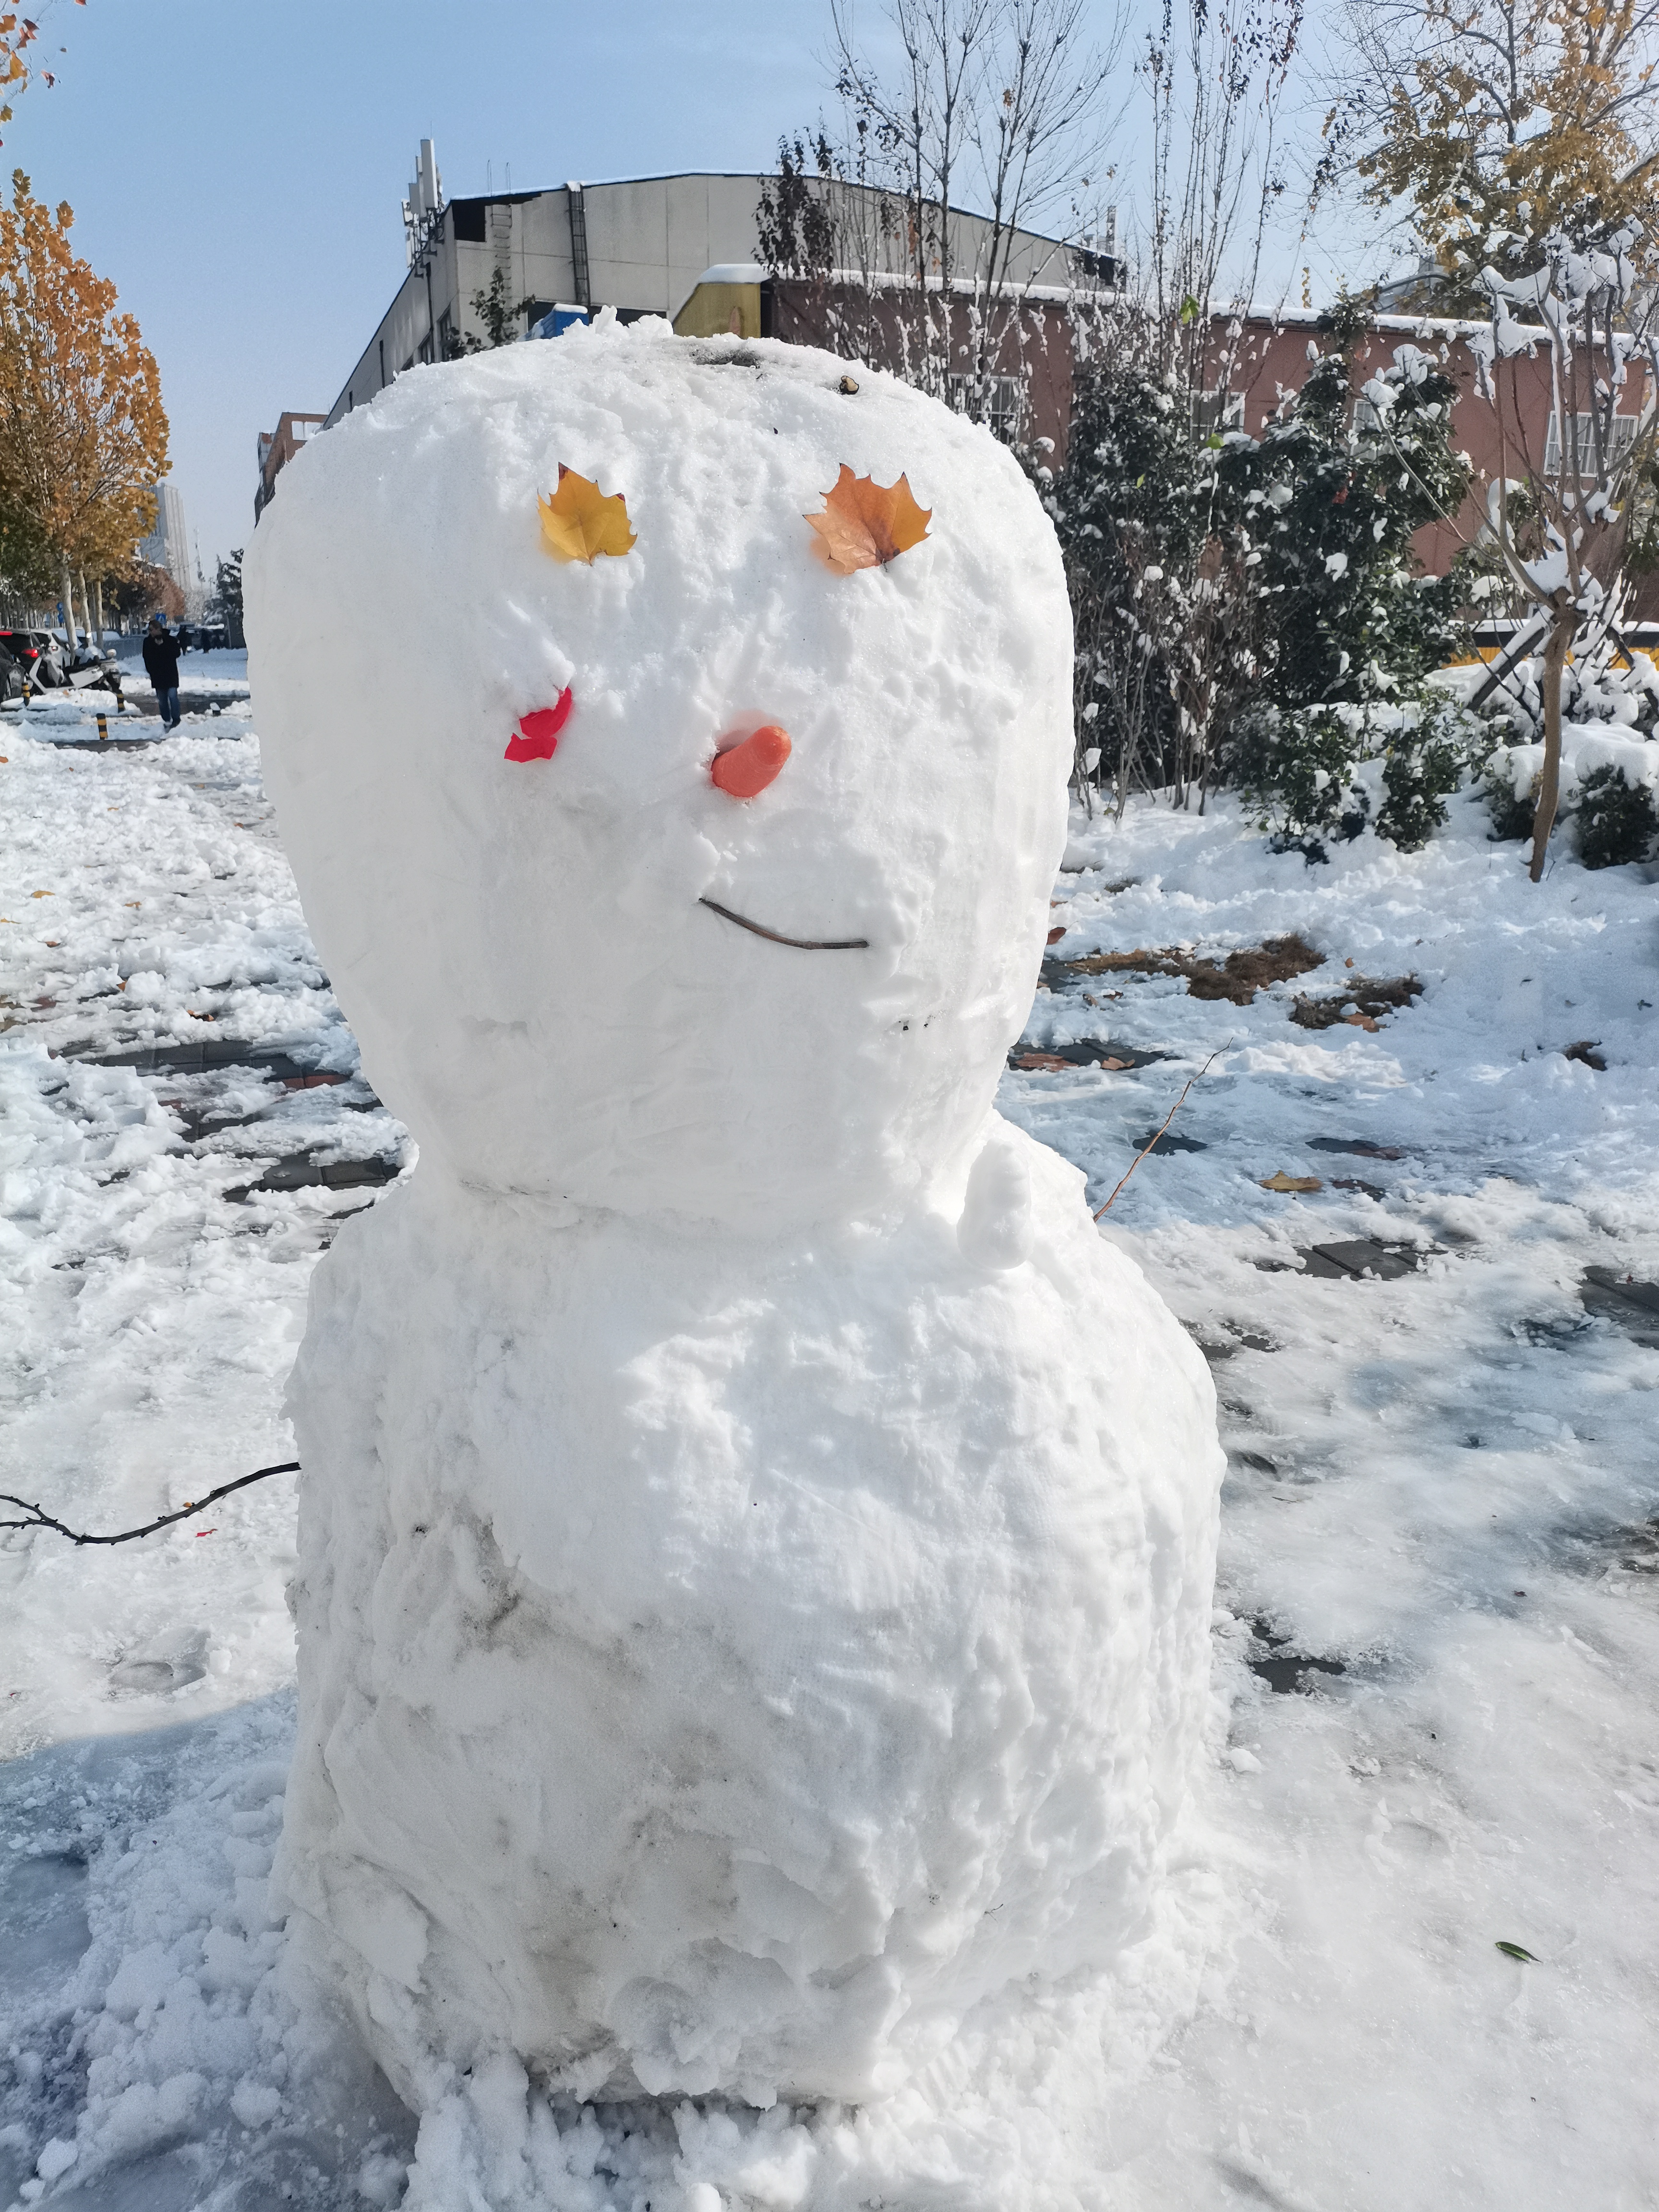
x,y
668,965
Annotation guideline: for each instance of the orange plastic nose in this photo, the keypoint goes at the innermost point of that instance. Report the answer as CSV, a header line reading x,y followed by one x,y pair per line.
x,y
745,770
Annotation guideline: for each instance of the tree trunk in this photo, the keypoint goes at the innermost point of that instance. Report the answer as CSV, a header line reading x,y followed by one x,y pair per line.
x,y
1549,789
66,587
98,604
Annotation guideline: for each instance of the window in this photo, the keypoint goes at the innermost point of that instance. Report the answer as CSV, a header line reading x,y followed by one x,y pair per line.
x,y
996,401
1621,435
1217,412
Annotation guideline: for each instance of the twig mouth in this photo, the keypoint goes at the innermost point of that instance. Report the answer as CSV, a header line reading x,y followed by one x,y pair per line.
x,y
800,944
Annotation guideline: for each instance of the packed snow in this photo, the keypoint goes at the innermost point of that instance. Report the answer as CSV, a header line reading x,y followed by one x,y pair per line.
x,y
747,1644
1434,1651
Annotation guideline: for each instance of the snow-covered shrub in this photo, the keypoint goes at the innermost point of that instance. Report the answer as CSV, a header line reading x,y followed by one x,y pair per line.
x,y
1510,802
1248,610
1609,790
1422,766
1338,485
1297,772
1615,821
1151,514
1328,772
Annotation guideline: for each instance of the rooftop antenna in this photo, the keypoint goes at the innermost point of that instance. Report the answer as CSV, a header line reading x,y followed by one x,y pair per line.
x,y
425,203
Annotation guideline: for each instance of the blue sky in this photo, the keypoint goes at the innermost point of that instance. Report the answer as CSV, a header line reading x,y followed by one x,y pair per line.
x,y
236,166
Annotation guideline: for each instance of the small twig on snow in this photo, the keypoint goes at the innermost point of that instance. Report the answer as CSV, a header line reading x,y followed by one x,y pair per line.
x,y
39,1518
1161,1126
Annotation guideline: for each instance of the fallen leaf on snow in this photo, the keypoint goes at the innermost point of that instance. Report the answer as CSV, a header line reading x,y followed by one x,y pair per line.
x,y
538,736
580,521
1585,1051
1043,1063
1054,935
866,525
1282,1181
1517,1951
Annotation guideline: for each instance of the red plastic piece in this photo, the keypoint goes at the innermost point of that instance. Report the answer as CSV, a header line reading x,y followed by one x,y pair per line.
x,y
745,770
539,734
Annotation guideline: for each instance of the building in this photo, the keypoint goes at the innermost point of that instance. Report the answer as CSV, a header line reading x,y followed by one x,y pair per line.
x,y
1262,356
167,545
687,248
277,449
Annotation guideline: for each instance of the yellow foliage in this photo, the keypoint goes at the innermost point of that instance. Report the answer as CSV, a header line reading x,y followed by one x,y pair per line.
x,y
15,33
83,436
581,521
1499,121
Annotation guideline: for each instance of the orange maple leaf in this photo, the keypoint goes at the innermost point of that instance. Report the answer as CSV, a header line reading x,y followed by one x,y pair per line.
x,y
580,520
864,525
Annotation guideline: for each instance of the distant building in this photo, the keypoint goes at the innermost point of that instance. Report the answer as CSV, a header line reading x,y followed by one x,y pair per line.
x,y
167,545
277,449
1423,293
686,247
1262,355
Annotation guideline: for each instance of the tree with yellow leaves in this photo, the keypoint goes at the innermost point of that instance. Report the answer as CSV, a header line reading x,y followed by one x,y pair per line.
x,y
84,437
1495,123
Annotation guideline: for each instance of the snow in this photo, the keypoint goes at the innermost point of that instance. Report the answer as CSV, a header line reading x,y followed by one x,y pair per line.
x,y
483,918
753,1594
1486,1769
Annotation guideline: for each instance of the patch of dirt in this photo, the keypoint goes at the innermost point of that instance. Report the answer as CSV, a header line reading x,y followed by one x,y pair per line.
x,y
1362,1003
1237,977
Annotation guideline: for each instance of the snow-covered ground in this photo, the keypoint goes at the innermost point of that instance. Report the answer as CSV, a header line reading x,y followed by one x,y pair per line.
x,y
1436,1643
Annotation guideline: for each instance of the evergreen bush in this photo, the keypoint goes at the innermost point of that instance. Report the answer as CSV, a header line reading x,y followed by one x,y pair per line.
x,y
1248,610
1616,822
1422,765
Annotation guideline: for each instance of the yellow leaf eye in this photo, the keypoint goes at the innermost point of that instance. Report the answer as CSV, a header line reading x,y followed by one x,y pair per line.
x,y
580,520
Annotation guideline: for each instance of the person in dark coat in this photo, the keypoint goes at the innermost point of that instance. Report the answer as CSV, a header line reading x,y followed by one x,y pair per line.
x,y
161,661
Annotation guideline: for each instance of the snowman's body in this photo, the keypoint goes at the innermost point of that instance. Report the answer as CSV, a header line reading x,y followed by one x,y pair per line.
x,y
757,1537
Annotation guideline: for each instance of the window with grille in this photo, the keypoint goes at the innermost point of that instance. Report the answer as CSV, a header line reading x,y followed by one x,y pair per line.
x,y
1620,435
996,401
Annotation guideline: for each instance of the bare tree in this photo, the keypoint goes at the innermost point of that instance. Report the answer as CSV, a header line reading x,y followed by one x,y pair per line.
x,y
1156,545
993,123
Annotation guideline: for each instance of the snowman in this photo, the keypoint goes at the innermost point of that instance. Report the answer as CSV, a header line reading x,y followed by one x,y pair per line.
x,y
756,1536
